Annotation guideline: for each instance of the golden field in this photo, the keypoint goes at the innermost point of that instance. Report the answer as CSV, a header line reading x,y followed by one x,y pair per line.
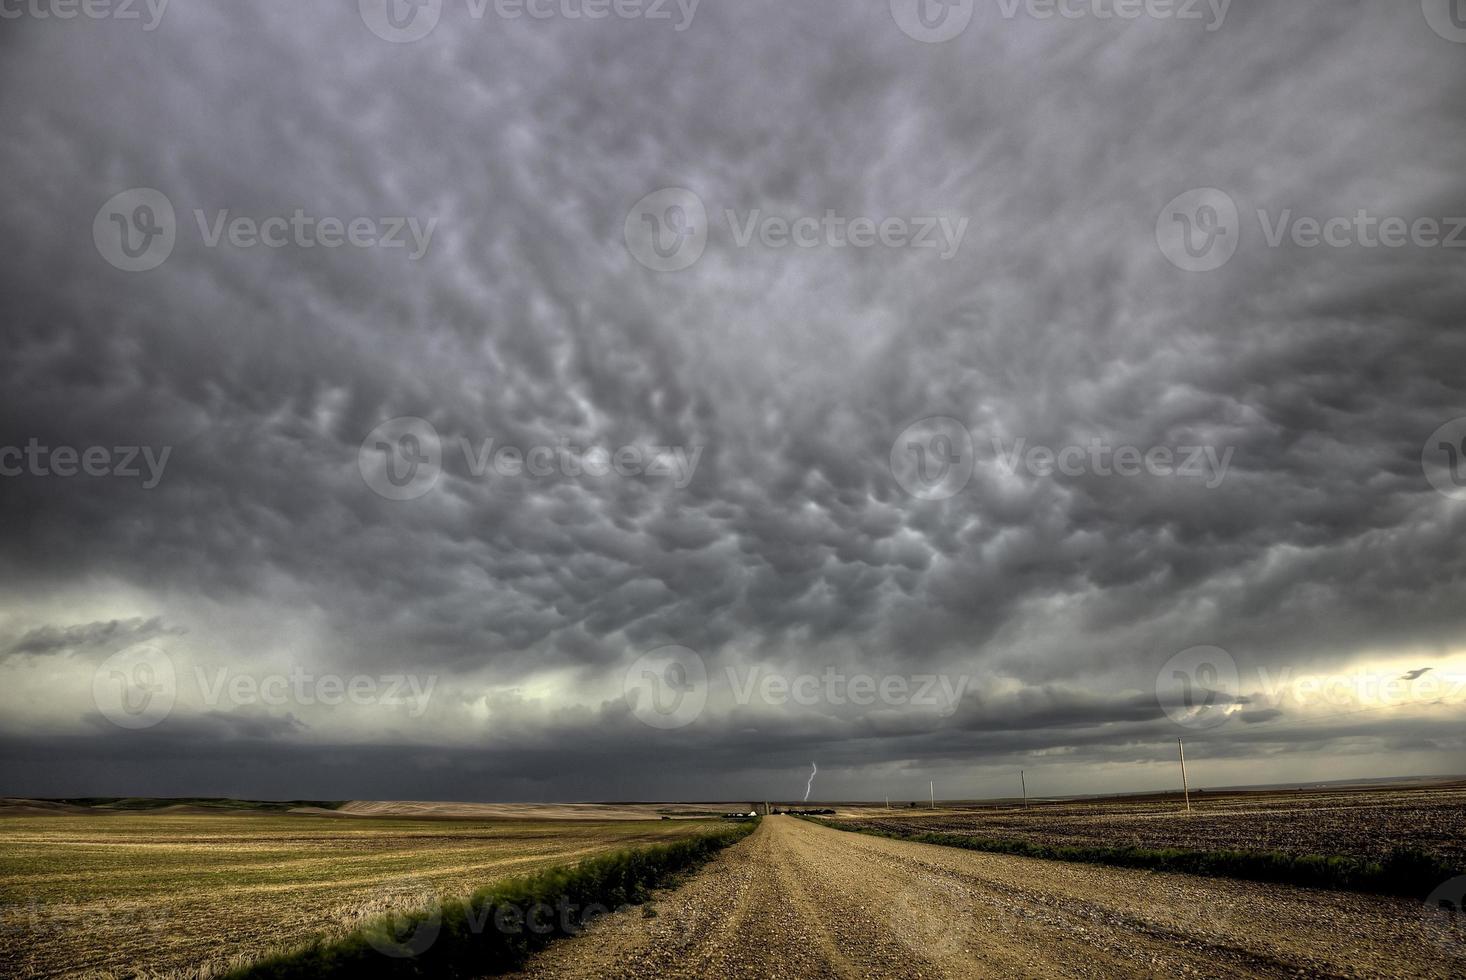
x,y
189,893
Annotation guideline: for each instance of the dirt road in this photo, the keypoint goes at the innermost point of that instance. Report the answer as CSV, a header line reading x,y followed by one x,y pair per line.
x,y
800,900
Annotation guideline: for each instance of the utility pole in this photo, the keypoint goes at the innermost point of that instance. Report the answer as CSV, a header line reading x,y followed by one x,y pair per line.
x,y
1185,789
932,786
1024,784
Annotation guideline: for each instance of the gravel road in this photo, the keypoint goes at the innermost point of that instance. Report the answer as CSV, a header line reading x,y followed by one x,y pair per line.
x,y
799,900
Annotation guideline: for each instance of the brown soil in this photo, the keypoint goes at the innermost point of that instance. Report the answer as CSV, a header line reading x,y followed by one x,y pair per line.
x,y
1364,824
801,900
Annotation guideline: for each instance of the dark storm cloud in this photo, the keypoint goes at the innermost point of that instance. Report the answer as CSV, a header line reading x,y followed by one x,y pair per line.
x,y
99,636
1058,322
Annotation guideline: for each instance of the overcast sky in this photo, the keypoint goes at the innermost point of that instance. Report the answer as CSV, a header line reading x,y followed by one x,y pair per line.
x,y
249,464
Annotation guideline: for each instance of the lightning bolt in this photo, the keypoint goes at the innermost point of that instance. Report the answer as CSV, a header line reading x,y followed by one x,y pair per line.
x,y
810,785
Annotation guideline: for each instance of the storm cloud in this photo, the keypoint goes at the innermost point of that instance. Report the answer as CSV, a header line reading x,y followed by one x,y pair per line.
x,y
716,457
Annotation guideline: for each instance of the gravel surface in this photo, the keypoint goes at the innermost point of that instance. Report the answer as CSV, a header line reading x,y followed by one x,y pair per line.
x,y
799,900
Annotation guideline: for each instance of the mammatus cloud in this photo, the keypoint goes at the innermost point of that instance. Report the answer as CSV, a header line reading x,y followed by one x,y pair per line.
x,y
449,236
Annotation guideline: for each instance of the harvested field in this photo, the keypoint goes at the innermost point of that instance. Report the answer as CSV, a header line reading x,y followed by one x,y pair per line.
x,y
190,893
1365,824
414,809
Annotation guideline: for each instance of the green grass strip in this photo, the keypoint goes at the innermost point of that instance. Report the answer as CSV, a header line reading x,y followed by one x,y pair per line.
x,y
495,929
1405,872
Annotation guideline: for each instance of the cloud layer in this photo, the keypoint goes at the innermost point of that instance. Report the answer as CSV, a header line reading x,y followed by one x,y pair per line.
x,y
794,547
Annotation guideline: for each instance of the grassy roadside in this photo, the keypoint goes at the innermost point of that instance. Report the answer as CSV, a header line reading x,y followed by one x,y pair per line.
x,y
1407,873
496,929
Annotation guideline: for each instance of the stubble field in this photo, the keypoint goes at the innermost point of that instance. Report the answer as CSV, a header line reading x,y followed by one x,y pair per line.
x,y
1367,824
190,894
